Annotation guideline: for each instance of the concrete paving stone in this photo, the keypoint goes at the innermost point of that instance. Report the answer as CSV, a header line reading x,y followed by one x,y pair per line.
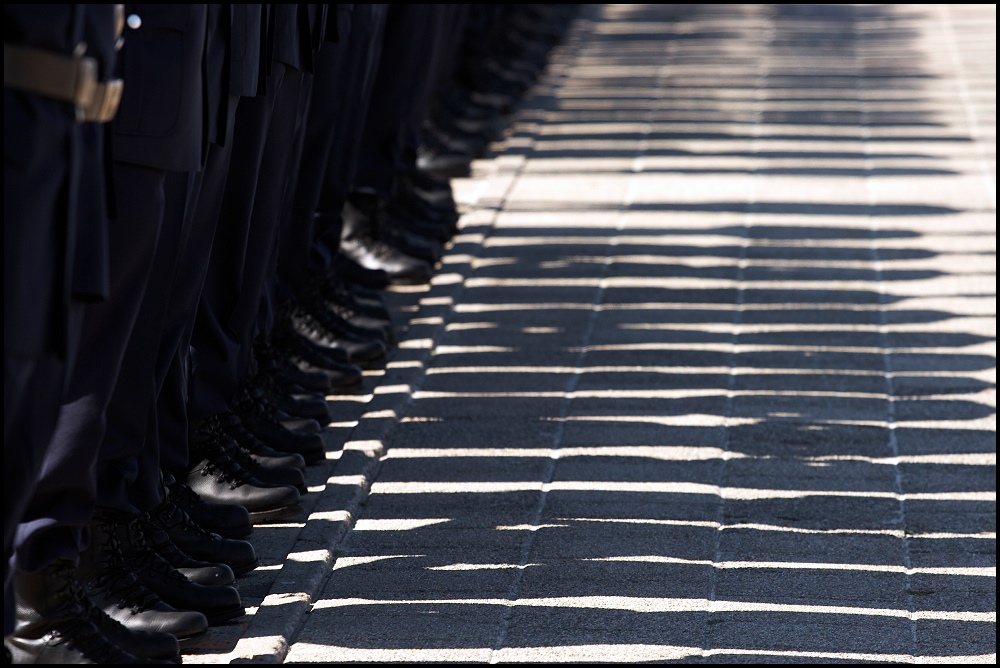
x,y
710,402
495,379
451,566
944,284
820,407
944,479
932,591
435,577
821,358
600,627
501,405
804,439
792,274
860,255
793,438
670,378
577,190
388,625
809,315
742,540
500,356
792,584
723,268
686,293
955,641
806,474
657,540
942,410
687,187
535,294
752,657
951,516
623,315
503,501
800,187
696,232
769,233
519,338
821,512
957,551
869,384
927,385
957,191
838,637
639,470
471,433
649,335
613,430
463,469
595,577
455,537
535,248
971,264
955,362
558,267
588,220
657,355
833,337
936,339
934,317
701,509
849,292
557,317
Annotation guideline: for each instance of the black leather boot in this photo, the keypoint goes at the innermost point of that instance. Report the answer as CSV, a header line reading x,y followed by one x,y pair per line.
x,y
198,542
195,570
117,590
216,476
343,300
52,621
159,646
309,358
370,277
360,243
262,419
266,470
261,452
292,398
229,520
273,360
218,603
330,333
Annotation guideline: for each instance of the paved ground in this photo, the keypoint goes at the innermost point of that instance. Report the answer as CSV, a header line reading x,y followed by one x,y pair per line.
x,y
709,375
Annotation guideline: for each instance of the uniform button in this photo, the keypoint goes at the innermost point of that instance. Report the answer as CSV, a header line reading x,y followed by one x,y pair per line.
x,y
134,21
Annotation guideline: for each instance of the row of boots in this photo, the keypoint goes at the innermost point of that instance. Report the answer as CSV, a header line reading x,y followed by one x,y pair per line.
x,y
148,586
144,588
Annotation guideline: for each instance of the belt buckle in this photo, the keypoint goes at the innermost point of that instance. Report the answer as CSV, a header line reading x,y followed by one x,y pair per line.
x,y
104,106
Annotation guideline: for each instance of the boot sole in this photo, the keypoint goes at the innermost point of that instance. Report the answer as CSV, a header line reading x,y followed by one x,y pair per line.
x,y
222,616
195,640
275,514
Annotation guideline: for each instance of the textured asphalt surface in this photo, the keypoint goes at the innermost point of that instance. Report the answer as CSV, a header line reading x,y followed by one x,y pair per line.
x,y
708,375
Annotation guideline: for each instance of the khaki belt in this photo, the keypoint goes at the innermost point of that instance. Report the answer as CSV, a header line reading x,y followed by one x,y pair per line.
x,y
60,77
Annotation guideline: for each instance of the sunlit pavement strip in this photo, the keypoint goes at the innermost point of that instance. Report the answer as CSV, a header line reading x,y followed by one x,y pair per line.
x,y
708,375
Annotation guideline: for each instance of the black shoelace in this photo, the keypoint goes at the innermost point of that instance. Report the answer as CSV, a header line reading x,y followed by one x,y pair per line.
x,y
219,464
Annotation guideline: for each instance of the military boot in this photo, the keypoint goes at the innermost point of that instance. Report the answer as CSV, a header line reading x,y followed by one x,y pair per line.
x,y
117,590
219,603
52,623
